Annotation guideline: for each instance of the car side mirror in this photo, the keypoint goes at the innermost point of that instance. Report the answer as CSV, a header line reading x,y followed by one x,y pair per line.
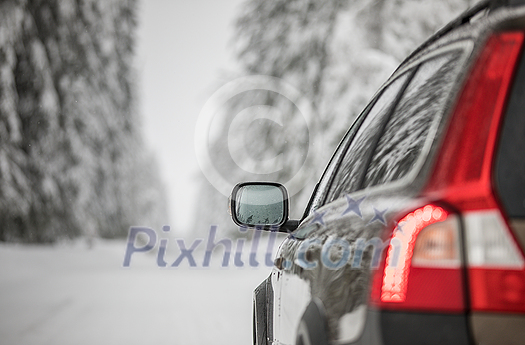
x,y
262,205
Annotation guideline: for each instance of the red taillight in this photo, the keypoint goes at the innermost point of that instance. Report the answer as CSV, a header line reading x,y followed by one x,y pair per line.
x,y
422,270
399,255
463,168
463,178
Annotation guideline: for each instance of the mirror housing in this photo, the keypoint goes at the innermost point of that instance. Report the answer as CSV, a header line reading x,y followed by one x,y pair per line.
x,y
261,205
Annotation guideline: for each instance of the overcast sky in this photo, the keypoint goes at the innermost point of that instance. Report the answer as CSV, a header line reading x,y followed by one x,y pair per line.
x,y
182,47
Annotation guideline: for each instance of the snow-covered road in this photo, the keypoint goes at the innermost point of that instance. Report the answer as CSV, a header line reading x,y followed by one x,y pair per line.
x,y
69,294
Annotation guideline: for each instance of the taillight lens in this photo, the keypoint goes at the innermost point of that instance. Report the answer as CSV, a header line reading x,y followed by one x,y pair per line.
x,y
496,267
422,269
462,178
438,245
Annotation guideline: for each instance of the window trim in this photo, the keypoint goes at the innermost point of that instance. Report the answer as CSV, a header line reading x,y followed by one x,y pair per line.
x,y
335,160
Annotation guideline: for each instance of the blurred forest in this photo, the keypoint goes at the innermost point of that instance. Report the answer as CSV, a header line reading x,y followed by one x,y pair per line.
x,y
72,160
336,53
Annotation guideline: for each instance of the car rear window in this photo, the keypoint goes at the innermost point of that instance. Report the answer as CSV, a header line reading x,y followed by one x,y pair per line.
x,y
510,159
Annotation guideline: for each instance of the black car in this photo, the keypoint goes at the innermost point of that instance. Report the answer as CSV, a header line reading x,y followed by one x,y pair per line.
x,y
415,233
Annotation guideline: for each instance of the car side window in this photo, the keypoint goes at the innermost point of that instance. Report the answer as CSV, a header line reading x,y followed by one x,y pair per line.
x,y
408,127
353,164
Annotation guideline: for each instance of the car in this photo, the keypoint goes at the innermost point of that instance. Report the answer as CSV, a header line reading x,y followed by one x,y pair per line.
x,y
415,233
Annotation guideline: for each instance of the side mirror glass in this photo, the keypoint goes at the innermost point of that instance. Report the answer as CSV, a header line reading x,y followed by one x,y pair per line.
x,y
259,204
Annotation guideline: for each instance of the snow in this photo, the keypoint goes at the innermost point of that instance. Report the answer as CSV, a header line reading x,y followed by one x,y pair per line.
x,y
70,294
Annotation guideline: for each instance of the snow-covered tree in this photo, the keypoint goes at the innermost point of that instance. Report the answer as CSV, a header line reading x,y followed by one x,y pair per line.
x,y
72,161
